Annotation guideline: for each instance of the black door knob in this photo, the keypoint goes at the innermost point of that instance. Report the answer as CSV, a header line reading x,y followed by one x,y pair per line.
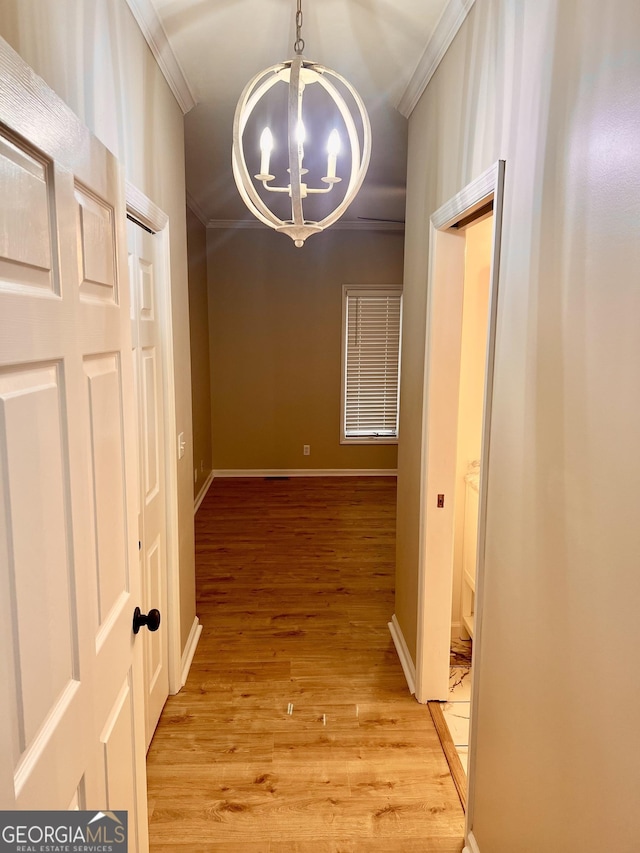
x,y
151,620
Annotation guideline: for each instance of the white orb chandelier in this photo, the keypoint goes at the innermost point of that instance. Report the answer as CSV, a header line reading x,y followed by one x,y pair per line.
x,y
299,74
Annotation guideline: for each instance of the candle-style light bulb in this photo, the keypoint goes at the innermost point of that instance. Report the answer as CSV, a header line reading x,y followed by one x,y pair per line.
x,y
266,147
333,147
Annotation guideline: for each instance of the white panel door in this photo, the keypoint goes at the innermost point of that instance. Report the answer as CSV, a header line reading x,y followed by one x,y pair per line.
x,y
71,704
147,358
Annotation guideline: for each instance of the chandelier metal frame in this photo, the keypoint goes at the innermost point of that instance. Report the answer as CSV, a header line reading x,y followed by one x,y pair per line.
x,y
298,73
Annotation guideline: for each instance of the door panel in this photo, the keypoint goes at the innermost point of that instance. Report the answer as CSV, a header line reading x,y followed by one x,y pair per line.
x,y
34,469
146,283
67,467
119,762
37,582
147,354
154,645
150,425
107,462
78,800
97,247
24,175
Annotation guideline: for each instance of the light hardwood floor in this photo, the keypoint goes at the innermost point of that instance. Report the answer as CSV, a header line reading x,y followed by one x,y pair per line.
x,y
295,589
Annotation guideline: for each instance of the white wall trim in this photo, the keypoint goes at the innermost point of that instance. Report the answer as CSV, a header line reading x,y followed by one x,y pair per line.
x,y
238,224
408,666
366,225
203,492
347,225
472,844
196,209
452,18
190,649
305,472
446,272
472,197
156,37
144,210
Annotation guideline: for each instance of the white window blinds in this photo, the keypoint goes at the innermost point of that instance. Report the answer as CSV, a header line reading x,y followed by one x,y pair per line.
x,y
372,362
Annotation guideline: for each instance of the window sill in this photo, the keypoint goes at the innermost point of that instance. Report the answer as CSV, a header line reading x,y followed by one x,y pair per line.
x,y
369,440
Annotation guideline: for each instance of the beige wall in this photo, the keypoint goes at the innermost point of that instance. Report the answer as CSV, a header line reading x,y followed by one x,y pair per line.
x,y
94,57
200,369
475,314
276,314
552,87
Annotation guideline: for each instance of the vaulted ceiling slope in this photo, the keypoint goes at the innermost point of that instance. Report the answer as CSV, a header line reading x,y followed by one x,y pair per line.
x,y
378,45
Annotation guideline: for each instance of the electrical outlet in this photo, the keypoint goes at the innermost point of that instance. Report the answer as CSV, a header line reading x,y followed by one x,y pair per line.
x,y
306,449
182,444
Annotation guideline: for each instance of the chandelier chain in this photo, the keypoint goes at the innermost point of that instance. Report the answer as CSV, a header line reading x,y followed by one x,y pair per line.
x,y
299,42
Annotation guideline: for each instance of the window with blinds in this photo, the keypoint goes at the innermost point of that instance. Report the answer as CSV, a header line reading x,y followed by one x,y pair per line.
x,y
371,363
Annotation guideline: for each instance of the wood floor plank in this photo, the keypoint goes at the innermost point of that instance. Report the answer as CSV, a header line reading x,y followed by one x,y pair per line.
x,y
220,847
370,845
295,731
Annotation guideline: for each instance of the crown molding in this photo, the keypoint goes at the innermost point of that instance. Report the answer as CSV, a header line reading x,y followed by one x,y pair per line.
x,y
238,224
348,225
367,225
452,18
196,209
156,37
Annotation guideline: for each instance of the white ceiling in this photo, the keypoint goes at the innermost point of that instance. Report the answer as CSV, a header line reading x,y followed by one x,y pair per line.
x,y
221,44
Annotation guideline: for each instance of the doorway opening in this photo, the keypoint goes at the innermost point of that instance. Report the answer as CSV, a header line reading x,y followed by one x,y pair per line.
x,y
452,718
460,345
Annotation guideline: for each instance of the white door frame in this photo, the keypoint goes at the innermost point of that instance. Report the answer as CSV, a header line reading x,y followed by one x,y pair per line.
x,y
148,214
439,437
498,215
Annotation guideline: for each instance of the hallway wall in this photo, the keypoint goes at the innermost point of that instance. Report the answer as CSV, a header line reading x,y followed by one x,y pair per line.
x,y
93,55
551,87
200,367
275,326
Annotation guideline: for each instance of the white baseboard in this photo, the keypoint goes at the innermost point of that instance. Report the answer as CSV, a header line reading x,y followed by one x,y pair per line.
x,y
408,666
203,492
472,844
306,472
190,649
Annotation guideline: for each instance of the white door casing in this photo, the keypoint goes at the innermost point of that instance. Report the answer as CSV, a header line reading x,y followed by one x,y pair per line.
x,y
150,216
440,419
71,708
435,576
148,361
